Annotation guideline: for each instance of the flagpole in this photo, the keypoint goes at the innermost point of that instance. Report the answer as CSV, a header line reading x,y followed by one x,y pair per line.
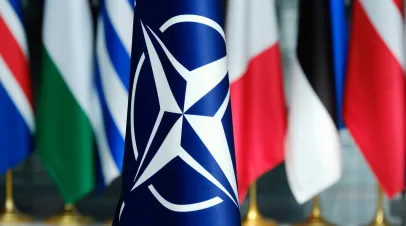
x,y
10,213
70,216
380,219
254,217
315,218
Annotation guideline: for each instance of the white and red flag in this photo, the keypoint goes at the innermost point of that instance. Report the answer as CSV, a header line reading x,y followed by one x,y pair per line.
x,y
374,104
257,93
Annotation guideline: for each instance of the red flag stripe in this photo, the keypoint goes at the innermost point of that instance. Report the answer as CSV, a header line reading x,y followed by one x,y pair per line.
x,y
374,100
15,59
399,5
386,19
14,23
259,118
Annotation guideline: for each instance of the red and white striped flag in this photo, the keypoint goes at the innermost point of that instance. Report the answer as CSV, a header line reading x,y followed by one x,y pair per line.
x,y
257,94
375,99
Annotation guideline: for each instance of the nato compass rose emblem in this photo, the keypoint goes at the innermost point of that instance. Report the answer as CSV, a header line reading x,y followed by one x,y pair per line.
x,y
199,83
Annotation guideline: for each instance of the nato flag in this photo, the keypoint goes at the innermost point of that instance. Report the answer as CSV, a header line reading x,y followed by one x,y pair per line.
x,y
179,164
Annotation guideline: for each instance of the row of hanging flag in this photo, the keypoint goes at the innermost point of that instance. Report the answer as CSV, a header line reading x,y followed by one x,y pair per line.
x,y
81,105
169,105
352,77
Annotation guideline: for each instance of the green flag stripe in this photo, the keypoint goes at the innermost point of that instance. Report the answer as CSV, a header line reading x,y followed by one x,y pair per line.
x,y
64,137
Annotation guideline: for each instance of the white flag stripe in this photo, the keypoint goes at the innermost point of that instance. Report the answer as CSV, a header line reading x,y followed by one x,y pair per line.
x,y
17,95
312,155
121,16
384,12
257,33
107,163
114,91
14,24
75,59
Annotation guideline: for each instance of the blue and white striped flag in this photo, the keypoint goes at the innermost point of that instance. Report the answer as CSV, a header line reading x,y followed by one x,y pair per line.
x,y
113,50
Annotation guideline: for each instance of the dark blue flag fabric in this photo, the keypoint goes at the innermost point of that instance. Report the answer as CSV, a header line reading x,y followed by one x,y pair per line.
x,y
179,163
340,50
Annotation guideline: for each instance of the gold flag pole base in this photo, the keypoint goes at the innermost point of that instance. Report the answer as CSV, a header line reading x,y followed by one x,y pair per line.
x,y
13,216
10,213
380,219
313,221
69,216
315,218
254,217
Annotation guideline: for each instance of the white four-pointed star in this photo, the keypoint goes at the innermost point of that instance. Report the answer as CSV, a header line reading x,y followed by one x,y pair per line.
x,y
210,129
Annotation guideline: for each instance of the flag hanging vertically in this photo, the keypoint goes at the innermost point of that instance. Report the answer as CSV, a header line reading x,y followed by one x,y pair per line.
x,y
179,162
65,136
375,99
113,49
313,160
257,93
16,115
340,50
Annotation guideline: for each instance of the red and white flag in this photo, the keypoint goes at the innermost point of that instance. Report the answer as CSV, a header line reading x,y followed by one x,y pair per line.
x,y
374,105
257,94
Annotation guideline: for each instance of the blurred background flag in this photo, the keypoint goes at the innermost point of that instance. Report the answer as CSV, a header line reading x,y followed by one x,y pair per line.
x,y
313,160
179,163
113,49
340,49
65,136
16,103
257,94
374,109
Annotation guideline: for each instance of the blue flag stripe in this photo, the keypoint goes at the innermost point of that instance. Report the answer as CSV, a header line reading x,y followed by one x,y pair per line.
x,y
340,42
115,141
16,4
118,55
132,3
15,137
109,154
